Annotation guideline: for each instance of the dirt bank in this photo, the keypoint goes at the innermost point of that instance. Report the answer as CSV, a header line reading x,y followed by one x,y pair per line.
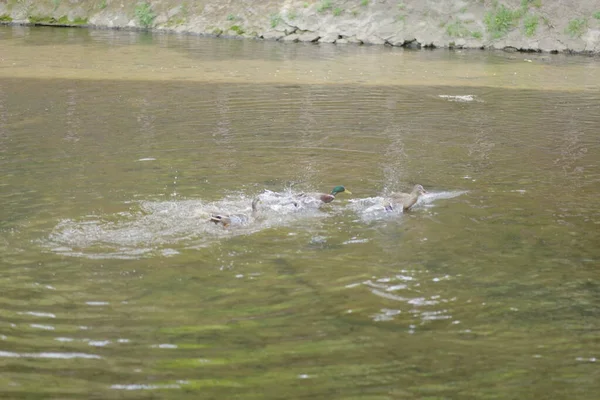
x,y
527,25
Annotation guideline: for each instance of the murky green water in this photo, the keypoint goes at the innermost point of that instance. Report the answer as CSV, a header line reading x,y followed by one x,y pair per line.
x,y
115,147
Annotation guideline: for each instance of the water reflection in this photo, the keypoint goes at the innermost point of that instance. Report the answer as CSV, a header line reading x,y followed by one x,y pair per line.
x,y
72,121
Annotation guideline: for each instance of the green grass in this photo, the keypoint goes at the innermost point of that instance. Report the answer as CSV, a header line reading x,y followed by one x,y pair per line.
x,y
324,6
5,18
576,27
144,14
38,19
56,4
401,6
275,20
477,35
292,15
501,20
531,23
79,21
364,3
457,29
597,15
103,4
535,3
64,20
401,17
337,11
237,29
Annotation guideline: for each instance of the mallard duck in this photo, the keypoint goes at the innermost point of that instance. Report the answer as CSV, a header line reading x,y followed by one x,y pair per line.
x,y
325,197
236,219
407,200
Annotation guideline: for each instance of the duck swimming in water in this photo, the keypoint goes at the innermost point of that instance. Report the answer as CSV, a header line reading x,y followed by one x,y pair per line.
x,y
405,200
325,197
227,220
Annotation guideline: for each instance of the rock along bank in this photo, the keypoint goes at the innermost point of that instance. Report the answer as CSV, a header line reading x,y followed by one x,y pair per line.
x,y
523,25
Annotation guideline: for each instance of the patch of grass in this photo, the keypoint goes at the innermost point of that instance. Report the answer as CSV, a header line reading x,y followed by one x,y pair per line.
x,y
237,29
477,35
364,3
457,29
292,15
597,15
400,17
64,20
103,4
56,4
531,23
305,5
501,20
79,21
401,6
37,19
463,10
144,14
576,27
535,3
324,6
5,18
354,13
337,11
275,20
231,17
546,22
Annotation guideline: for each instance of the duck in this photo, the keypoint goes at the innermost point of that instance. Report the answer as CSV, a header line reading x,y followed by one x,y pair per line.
x,y
226,220
407,200
324,197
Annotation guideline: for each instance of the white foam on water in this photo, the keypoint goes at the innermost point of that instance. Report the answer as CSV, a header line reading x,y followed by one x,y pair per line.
x,y
460,98
145,387
44,327
65,356
38,314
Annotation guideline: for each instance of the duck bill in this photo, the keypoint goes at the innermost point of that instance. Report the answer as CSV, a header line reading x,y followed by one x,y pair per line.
x,y
347,191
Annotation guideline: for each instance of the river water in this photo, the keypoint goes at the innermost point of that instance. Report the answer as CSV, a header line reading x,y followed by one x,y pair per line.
x,y
117,147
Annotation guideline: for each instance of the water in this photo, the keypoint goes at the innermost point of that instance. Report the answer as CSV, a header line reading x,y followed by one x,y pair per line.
x,y
117,147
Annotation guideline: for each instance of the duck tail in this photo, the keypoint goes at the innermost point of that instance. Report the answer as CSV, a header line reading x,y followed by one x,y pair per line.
x,y
255,205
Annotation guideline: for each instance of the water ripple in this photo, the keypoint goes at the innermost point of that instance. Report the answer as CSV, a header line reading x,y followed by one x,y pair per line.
x,y
48,355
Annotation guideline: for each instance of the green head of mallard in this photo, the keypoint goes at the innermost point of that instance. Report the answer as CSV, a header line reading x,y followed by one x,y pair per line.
x,y
339,189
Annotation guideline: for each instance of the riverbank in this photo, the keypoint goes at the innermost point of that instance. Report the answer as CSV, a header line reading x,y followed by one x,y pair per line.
x,y
516,25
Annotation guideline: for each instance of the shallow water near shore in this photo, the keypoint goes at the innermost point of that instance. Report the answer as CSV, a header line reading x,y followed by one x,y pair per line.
x,y
117,147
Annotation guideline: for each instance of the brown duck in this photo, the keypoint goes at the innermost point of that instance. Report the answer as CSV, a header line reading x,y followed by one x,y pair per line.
x,y
404,200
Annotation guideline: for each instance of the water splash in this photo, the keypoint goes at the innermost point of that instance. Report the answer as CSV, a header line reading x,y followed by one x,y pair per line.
x,y
153,228
162,228
373,209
